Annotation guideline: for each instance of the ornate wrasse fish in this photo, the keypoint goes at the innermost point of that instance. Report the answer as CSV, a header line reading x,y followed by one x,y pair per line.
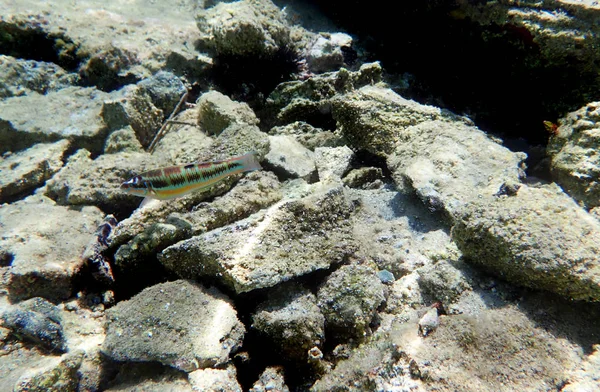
x,y
176,181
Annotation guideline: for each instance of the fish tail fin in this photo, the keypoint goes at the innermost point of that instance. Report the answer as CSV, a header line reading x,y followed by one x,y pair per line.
x,y
250,161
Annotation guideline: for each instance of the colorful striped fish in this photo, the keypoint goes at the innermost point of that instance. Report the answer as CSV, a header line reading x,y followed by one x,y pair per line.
x,y
176,181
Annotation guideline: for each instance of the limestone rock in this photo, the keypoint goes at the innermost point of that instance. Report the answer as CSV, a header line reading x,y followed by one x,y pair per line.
x,y
38,321
309,136
292,320
165,90
539,238
270,380
245,27
83,181
333,162
349,299
214,380
21,77
327,52
133,106
575,163
59,376
217,111
24,121
24,171
123,139
44,254
290,159
289,239
165,323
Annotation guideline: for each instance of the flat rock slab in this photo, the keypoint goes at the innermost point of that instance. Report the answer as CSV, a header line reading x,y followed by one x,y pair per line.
x,y
290,239
26,170
290,159
179,324
539,238
42,243
83,181
71,113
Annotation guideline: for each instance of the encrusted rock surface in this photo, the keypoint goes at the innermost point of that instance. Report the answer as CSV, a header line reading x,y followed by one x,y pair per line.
x,y
292,320
24,171
349,298
538,238
217,111
74,114
38,321
290,159
86,181
289,239
214,380
44,254
245,27
21,77
142,328
575,162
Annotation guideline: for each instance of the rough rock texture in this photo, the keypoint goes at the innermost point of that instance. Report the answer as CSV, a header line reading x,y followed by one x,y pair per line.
x,y
291,319
83,181
165,89
122,140
117,42
133,106
148,377
349,299
244,199
309,136
289,239
539,238
38,321
25,121
214,380
431,150
364,178
564,30
575,162
217,111
311,99
586,378
21,77
500,349
326,53
290,159
443,281
24,171
270,380
165,323
59,376
333,162
44,254
245,27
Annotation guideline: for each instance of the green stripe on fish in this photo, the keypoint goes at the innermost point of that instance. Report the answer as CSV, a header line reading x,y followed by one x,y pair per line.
x,y
177,181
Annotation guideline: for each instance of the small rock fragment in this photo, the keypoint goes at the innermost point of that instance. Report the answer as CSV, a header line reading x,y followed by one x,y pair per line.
x,y
217,111
38,321
349,299
292,320
26,170
333,162
289,159
327,52
270,380
429,322
214,380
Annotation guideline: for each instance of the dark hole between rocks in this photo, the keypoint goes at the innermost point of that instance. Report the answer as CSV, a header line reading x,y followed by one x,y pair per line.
x,y
497,75
252,78
35,44
6,259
